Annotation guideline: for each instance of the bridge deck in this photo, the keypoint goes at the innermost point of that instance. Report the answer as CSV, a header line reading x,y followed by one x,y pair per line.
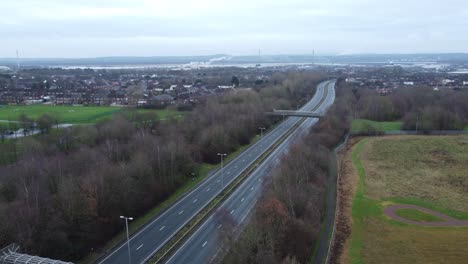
x,y
294,113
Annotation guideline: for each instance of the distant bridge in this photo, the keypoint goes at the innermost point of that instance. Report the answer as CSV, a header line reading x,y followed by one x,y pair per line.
x,y
294,113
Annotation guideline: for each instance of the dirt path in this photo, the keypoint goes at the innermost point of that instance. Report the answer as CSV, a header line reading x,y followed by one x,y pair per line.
x,y
448,221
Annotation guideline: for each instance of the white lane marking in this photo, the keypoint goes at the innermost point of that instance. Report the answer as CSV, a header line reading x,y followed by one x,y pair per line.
x,y
204,244
242,200
251,188
139,247
181,212
208,189
235,167
232,211
259,179
220,225
194,201
160,229
248,211
228,172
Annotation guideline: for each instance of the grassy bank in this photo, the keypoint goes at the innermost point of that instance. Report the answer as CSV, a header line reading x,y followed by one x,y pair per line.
x,y
425,171
359,126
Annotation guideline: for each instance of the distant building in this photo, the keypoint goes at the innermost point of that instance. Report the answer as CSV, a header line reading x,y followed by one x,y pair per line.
x,y
225,86
447,81
163,99
33,101
141,102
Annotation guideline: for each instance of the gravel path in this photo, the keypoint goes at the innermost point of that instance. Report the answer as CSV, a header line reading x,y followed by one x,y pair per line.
x,y
448,221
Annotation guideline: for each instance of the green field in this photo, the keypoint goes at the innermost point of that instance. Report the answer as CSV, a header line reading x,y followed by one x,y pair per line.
x,y
72,114
424,171
363,125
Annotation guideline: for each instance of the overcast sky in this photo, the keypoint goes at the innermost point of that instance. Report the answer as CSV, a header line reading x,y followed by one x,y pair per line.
x,y
92,28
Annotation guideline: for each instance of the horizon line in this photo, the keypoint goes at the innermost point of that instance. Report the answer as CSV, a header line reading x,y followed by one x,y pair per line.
x,y
246,55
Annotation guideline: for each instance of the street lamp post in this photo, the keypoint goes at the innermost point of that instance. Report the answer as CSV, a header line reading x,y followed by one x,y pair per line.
x,y
261,131
128,240
222,166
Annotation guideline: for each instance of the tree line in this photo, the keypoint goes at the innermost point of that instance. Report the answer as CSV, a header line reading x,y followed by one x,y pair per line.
x,y
62,192
420,108
288,217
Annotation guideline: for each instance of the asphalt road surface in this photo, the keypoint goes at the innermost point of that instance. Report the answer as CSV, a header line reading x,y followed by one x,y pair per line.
x,y
154,235
205,244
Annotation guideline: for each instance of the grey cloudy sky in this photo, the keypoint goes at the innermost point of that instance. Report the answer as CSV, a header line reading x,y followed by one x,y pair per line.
x,y
90,28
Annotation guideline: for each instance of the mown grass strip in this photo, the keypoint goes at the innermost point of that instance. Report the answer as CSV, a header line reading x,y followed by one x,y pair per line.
x,y
416,215
415,201
357,207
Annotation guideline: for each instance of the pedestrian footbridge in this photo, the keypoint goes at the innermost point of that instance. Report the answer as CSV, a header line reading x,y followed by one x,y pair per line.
x,y
10,255
294,113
